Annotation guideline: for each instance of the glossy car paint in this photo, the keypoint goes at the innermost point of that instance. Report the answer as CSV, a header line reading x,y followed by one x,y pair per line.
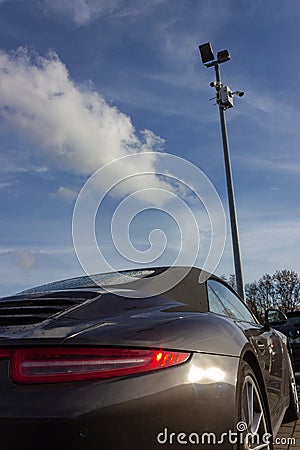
x,y
129,412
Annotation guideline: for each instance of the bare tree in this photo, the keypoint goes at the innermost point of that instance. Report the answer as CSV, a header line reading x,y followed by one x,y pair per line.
x,y
253,299
287,286
231,280
280,290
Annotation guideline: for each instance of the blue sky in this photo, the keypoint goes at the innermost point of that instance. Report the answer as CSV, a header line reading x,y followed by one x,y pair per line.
x,y
88,81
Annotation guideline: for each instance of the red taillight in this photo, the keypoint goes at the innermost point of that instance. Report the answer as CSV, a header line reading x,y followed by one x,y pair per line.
x,y
50,365
5,353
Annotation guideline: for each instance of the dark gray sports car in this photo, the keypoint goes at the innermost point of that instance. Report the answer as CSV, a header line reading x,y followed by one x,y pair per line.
x,y
141,359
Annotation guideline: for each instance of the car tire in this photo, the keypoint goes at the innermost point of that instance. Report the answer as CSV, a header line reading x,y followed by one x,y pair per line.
x,y
292,413
253,423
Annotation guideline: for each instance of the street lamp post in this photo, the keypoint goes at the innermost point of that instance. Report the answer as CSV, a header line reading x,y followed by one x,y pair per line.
x,y
224,97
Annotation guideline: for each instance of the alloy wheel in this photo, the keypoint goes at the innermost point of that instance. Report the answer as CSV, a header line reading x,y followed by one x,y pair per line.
x,y
253,425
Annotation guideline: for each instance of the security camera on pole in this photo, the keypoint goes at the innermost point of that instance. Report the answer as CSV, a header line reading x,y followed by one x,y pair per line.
x,y
224,98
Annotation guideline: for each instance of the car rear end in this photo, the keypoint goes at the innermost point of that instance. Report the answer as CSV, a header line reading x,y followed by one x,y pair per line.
x,y
87,370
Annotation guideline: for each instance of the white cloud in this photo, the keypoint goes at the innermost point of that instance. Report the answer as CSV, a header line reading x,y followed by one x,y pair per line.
x,y
281,164
268,241
22,268
5,184
74,127
24,258
66,193
81,12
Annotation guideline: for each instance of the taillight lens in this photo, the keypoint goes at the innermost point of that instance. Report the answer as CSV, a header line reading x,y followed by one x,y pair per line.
x,y
5,353
50,365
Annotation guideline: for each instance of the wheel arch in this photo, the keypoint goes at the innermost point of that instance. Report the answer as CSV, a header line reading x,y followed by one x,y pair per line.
x,y
250,358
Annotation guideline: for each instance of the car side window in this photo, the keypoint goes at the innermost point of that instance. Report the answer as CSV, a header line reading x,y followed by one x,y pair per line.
x,y
235,307
215,304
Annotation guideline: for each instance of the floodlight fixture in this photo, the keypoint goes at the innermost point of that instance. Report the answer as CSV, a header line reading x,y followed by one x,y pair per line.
x,y
208,57
206,52
223,56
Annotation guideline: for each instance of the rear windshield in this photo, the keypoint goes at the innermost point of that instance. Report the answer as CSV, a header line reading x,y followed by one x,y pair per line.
x,y
92,281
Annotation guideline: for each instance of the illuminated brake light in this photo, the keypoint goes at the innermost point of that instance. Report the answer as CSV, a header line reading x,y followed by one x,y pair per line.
x,y
50,365
159,356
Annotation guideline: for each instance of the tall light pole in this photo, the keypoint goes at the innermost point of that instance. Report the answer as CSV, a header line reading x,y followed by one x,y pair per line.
x,y
224,98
